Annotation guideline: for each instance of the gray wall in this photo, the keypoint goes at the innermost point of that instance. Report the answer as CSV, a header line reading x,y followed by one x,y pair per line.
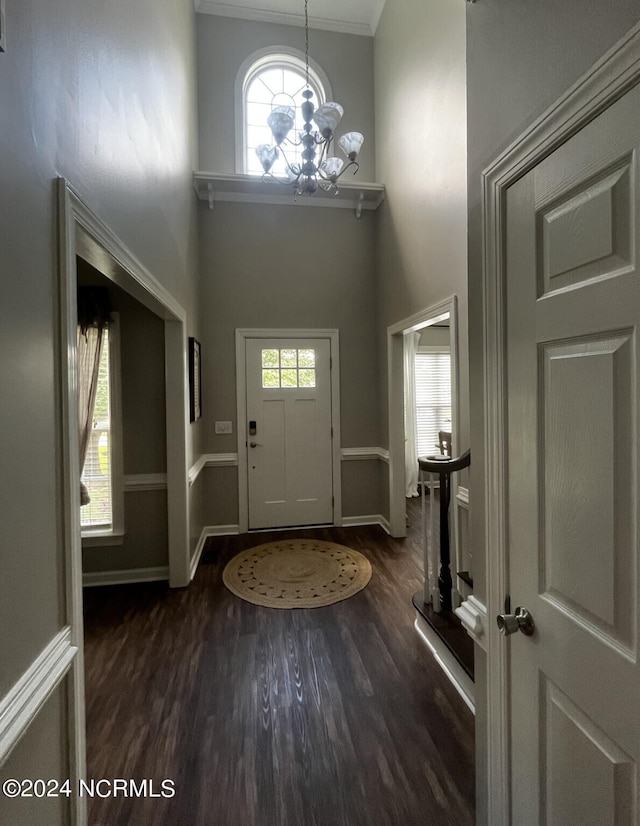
x,y
419,60
224,44
288,267
521,57
104,94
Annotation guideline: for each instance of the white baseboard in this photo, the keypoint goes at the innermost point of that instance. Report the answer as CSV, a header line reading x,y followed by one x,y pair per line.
x,y
23,702
371,519
207,531
195,559
459,678
126,577
222,530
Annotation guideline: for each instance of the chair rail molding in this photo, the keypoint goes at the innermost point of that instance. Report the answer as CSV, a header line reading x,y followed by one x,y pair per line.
x,y
211,460
21,704
354,454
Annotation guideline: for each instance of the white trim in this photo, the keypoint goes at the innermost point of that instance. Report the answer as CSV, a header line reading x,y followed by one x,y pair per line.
x,y
178,434
462,497
195,559
473,615
145,481
458,677
285,18
361,521
242,335
212,460
258,61
354,454
433,314
222,530
221,460
104,539
197,467
69,478
125,577
207,531
251,189
607,80
395,371
23,701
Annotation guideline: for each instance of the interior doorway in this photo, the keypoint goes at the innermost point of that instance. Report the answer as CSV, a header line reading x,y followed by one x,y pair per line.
x,y
436,322
84,236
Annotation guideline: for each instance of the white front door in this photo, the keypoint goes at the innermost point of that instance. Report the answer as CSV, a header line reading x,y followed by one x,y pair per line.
x,y
572,318
289,436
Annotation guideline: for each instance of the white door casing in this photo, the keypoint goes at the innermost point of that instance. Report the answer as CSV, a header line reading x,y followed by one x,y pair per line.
x,y
561,310
289,469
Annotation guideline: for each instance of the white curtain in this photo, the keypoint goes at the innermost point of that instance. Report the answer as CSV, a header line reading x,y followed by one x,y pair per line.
x,y
411,341
89,348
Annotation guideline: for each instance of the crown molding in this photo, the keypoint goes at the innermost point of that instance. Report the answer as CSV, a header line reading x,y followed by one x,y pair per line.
x,y
287,19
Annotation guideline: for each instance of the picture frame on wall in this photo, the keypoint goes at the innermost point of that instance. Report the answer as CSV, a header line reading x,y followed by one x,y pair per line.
x,y
2,28
195,385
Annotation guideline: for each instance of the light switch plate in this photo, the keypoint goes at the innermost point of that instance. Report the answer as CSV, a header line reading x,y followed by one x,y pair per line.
x,y
224,427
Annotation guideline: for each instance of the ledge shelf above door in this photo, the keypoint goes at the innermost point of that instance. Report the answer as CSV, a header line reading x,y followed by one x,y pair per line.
x,y
214,186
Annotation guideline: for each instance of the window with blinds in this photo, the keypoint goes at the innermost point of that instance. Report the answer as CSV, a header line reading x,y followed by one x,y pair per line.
x,y
433,398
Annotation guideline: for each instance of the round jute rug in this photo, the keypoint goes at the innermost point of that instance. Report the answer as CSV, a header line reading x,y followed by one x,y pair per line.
x,y
297,573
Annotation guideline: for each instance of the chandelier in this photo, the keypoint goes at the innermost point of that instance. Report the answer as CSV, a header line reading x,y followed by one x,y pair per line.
x,y
317,168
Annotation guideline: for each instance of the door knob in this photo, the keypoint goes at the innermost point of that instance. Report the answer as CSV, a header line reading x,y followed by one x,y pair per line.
x,y
255,444
520,621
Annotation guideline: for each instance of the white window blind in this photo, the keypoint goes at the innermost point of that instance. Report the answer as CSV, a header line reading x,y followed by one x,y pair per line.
x,y
433,399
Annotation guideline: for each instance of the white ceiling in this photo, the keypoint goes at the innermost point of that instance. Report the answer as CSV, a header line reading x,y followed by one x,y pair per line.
x,y
349,16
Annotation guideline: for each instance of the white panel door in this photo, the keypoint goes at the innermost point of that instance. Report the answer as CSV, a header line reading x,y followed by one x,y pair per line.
x,y
289,436
572,315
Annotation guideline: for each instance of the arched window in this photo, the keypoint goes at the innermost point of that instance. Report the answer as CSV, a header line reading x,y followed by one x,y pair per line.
x,y
273,77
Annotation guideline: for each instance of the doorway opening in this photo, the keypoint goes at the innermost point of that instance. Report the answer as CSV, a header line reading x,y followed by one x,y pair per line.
x,y
435,430
438,322
84,237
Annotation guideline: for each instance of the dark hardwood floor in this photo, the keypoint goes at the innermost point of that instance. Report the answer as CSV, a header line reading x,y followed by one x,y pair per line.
x,y
266,717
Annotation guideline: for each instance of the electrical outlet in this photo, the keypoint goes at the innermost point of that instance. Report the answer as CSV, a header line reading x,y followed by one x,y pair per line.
x,y
224,427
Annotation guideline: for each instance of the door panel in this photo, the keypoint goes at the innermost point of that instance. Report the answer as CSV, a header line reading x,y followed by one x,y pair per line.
x,y
573,307
290,457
